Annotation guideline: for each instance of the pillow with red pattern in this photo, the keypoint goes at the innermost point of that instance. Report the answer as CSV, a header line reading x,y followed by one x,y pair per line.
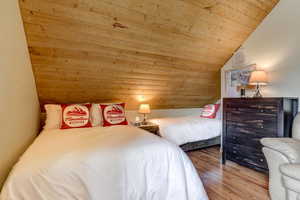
x,y
210,111
113,114
75,116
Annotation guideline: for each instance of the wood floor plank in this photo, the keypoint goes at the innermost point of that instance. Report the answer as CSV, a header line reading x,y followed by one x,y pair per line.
x,y
230,181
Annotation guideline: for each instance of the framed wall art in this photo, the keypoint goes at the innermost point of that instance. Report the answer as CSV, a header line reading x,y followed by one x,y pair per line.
x,y
238,78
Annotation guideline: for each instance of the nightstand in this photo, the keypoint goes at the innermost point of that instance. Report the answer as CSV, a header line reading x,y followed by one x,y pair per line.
x,y
150,127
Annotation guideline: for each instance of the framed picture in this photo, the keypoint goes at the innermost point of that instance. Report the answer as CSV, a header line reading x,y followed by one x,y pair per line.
x,y
236,79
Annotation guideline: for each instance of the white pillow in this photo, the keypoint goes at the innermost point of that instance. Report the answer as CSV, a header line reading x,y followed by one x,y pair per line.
x,y
53,116
219,113
219,101
96,115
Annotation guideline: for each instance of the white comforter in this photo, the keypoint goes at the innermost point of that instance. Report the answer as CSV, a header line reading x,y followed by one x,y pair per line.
x,y
114,163
182,130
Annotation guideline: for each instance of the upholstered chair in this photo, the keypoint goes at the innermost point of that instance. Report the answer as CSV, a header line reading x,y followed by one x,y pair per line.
x,y
283,157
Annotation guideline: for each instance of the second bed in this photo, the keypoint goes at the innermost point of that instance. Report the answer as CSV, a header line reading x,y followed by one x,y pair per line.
x,y
191,132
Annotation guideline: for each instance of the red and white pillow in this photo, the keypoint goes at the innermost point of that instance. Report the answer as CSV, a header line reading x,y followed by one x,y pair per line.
x,y
76,116
113,114
54,118
210,111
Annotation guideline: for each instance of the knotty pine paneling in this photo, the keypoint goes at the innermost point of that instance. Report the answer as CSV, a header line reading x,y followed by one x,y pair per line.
x,y
168,51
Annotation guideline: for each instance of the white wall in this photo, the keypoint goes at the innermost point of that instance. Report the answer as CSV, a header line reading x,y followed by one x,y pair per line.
x,y
19,108
275,47
131,114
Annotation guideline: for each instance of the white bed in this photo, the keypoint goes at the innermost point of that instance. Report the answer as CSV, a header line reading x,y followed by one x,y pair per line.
x,y
182,130
112,163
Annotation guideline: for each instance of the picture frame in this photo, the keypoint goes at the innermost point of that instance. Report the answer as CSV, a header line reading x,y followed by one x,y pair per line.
x,y
238,78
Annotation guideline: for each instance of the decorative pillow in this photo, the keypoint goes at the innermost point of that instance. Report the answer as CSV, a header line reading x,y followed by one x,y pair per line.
x,y
76,116
96,115
113,114
210,111
53,116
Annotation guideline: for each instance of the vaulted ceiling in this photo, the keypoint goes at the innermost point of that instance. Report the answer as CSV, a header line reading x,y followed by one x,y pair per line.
x,y
164,52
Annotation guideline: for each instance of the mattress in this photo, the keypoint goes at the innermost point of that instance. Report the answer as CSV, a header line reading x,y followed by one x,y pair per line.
x,y
111,163
182,130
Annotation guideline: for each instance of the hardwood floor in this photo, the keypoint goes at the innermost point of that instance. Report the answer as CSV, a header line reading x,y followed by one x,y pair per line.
x,y
230,181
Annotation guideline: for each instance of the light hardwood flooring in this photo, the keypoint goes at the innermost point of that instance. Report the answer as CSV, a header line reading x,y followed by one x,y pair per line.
x,y
230,181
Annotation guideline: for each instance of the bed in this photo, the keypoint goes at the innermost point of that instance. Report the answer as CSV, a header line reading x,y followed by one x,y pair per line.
x,y
192,132
110,163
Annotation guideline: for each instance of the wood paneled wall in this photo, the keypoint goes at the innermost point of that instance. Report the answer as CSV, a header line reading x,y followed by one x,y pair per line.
x,y
169,51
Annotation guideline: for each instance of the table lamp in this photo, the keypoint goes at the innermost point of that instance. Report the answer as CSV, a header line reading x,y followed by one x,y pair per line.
x,y
144,109
258,78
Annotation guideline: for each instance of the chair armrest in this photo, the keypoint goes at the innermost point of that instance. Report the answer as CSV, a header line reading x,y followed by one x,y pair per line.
x,y
291,176
289,147
291,170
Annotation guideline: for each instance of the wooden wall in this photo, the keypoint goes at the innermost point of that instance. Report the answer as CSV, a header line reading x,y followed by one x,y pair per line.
x,y
169,51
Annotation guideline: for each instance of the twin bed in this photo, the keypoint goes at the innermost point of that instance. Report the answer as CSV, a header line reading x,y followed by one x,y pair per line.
x,y
113,163
190,133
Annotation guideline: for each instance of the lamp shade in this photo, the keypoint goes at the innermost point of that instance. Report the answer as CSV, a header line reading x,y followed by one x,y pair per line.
x,y
258,78
144,109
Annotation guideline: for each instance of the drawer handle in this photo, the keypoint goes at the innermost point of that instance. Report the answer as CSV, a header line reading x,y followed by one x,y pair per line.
x,y
260,125
261,160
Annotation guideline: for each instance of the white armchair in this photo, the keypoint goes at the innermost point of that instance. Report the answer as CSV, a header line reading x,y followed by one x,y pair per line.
x,y
283,157
291,180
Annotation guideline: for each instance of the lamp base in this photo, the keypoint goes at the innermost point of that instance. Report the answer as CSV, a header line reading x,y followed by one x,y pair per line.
x,y
257,93
144,122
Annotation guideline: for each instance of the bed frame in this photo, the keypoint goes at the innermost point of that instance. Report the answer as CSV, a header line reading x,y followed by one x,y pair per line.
x,y
201,144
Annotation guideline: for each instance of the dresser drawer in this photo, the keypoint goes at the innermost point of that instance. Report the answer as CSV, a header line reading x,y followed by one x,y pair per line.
x,y
242,149
244,130
240,116
256,163
268,107
258,124
252,156
252,142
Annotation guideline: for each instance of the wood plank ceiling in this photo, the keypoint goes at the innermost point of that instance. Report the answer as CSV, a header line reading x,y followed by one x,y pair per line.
x,y
169,51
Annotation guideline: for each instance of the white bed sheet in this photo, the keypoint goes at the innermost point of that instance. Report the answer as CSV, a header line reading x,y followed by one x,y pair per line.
x,y
182,130
113,163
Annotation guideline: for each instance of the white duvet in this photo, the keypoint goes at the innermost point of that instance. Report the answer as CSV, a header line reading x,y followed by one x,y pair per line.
x,y
114,163
182,130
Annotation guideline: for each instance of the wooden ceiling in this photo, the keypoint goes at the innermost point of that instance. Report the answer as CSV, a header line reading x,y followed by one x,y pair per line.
x,y
164,52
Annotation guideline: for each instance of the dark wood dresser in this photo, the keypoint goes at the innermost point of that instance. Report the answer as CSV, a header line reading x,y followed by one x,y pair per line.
x,y
247,120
